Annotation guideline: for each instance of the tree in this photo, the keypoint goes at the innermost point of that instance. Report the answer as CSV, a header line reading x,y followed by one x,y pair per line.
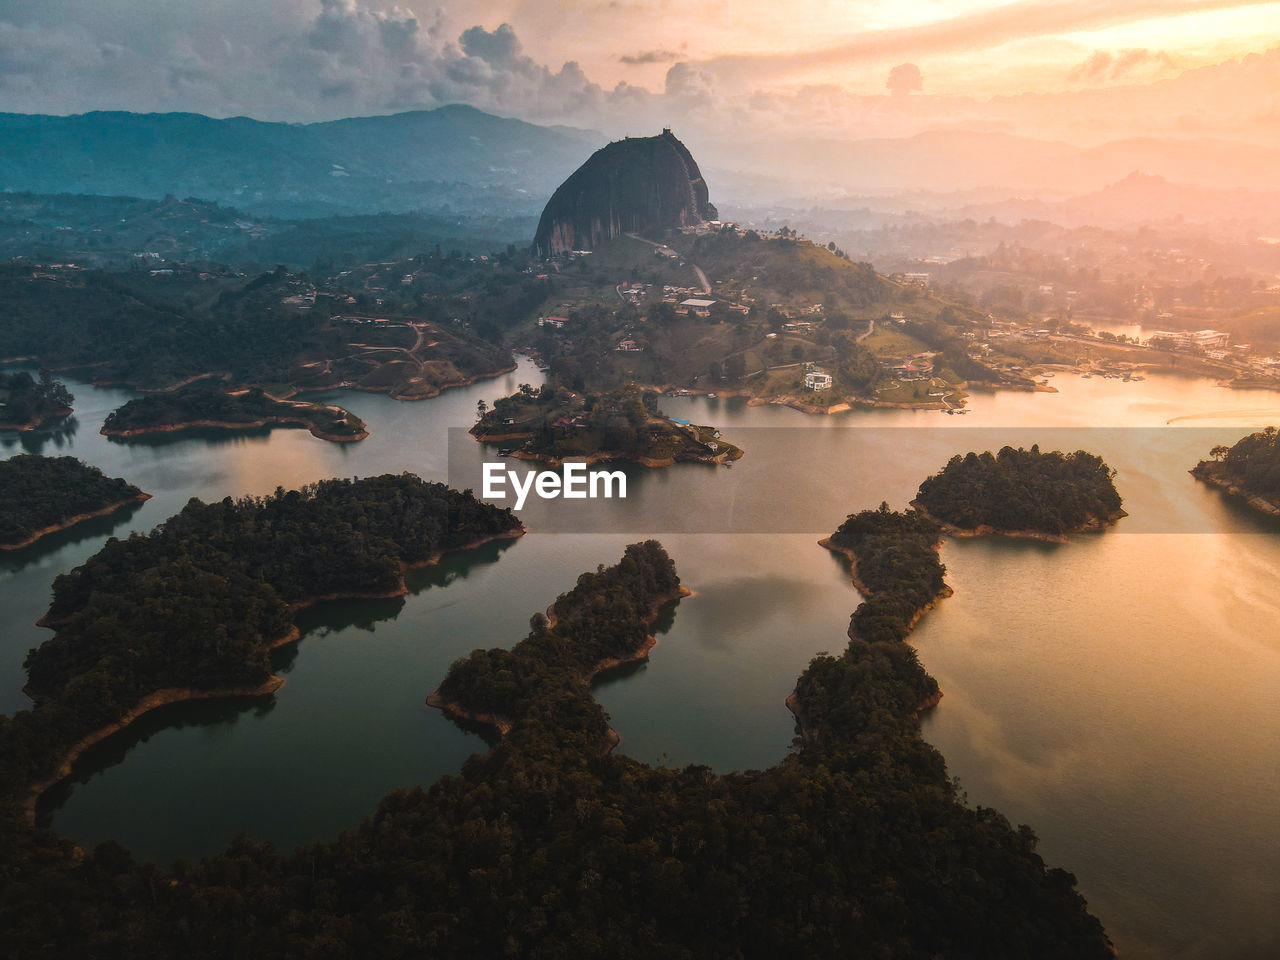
x,y
481,409
735,368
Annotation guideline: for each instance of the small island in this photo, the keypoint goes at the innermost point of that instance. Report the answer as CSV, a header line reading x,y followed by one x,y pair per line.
x,y
42,495
205,403
1021,493
26,403
1248,470
554,424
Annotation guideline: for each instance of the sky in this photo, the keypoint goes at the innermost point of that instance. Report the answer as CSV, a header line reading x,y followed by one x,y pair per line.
x,y
1077,70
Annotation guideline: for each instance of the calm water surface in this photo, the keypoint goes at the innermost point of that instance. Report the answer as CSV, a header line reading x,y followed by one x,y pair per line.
x,y
1116,692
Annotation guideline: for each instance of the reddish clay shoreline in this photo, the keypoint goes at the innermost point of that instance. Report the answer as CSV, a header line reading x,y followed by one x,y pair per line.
x,y
1092,525
502,725
72,521
236,425
36,423
929,702
164,697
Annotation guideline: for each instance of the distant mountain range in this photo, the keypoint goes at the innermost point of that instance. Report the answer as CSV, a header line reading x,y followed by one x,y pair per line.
x,y
954,160
453,158
457,160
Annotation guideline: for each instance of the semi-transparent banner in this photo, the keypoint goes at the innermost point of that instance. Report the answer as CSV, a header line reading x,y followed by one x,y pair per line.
x,y
806,479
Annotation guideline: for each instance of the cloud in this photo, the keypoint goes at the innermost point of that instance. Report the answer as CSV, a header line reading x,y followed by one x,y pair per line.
x,y
1102,66
904,78
649,56
981,30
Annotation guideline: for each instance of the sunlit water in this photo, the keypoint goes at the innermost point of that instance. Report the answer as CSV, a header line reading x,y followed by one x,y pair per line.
x,y
1116,692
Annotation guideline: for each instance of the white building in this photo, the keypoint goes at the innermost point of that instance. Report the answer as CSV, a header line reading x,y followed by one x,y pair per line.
x,y
817,380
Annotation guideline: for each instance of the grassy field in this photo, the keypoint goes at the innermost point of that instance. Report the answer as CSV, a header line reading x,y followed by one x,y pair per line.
x,y
889,341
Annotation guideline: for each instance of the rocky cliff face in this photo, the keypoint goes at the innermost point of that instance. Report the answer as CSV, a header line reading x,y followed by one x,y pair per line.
x,y
641,185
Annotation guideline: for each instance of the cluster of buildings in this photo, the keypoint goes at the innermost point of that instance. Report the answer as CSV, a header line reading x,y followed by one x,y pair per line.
x,y
1206,340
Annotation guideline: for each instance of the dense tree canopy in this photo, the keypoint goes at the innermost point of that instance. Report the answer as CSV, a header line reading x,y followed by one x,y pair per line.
x,y
549,846
1023,490
25,401
1254,463
208,401
38,492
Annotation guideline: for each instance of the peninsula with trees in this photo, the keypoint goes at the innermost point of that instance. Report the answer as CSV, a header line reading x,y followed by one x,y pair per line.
x,y
1248,470
194,608
867,841
1021,493
27,403
42,495
205,403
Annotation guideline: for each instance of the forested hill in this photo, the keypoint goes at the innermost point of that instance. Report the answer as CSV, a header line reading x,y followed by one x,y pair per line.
x,y
855,845
41,494
26,402
1023,491
157,331
1252,462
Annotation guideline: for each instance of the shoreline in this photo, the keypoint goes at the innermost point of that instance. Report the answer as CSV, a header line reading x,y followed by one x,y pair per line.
x,y
233,425
170,695
72,521
604,456
37,423
1093,525
1213,474
792,704
503,725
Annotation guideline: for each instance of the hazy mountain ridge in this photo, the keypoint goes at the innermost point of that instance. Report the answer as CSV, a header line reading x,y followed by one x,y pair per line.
x,y
454,157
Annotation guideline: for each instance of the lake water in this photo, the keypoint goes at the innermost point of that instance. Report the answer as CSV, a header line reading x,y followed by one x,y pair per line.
x,y
1117,692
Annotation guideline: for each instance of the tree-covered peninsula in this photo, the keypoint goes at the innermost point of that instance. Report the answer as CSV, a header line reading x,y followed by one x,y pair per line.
x,y
41,495
1249,469
26,402
550,845
1022,493
194,608
206,403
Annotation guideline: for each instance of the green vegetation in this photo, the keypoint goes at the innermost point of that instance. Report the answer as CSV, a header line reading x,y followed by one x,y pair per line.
x,y
549,846
897,568
199,602
604,617
26,402
42,494
277,328
1252,463
555,423
1023,491
207,403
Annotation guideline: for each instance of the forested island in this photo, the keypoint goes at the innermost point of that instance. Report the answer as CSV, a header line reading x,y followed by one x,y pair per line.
x,y
42,495
206,403
1021,493
27,402
1249,469
194,608
554,423
551,845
